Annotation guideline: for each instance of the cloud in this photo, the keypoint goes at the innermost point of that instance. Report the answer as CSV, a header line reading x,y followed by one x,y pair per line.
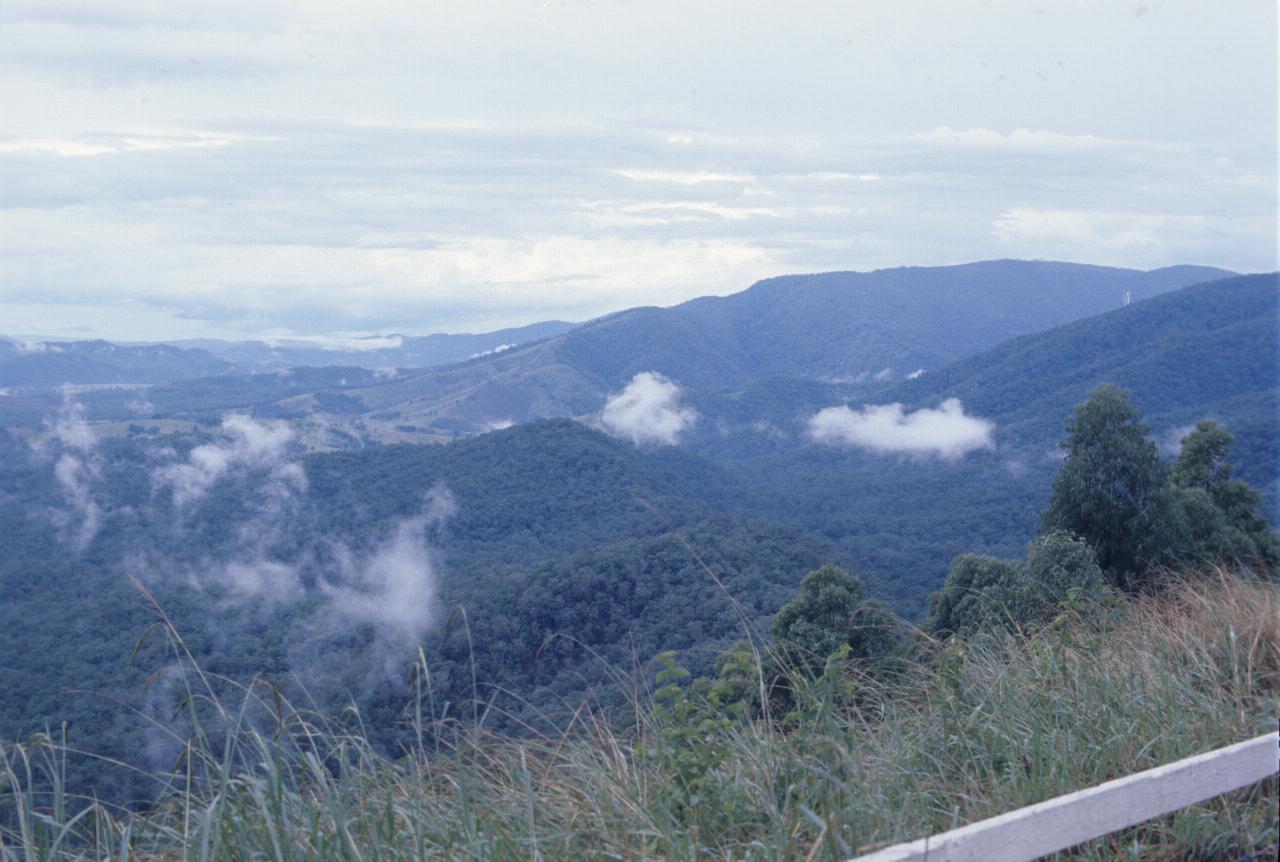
x,y
245,444
1170,442
394,588
275,583
684,210
74,475
648,410
242,168
768,429
106,145
684,178
945,432
338,342
1128,238
77,467
1105,229
499,349
1019,139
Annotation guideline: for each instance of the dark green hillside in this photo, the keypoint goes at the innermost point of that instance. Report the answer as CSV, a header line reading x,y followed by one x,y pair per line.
x,y
526,498
523,495
565,632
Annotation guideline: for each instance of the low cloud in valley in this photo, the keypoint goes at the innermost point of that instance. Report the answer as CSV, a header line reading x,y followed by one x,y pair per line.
x,y
245,443
648,410
77,467
946,432
394,587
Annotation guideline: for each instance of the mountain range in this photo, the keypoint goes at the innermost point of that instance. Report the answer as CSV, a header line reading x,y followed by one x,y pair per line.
x,y
844,328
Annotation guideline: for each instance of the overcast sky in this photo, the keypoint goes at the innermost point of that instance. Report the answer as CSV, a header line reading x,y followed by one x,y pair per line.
x,y
173,170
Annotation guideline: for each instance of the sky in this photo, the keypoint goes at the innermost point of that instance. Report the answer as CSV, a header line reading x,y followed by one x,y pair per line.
x,y
271,169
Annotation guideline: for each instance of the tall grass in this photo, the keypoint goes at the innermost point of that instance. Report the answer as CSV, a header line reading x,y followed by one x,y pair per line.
x,y
977,728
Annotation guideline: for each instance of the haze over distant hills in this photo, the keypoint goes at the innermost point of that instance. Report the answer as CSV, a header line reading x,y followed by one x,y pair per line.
x,y
54,362
376,351
835,327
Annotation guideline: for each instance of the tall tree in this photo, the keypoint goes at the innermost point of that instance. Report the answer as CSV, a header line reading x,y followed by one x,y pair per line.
x,y
1220,514
1058,567
829,614
1112,489
816,622
980,592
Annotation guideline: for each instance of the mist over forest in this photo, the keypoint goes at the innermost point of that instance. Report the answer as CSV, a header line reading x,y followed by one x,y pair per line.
x,y
536,520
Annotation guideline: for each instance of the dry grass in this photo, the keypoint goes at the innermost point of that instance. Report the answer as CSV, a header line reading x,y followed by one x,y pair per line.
x,y
977,728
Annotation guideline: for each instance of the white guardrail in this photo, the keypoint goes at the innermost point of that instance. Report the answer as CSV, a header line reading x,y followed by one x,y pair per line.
x,y
1065,821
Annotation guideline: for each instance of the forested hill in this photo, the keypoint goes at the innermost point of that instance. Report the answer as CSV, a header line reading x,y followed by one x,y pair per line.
x,y
837,326
1207,351
841,324
335,567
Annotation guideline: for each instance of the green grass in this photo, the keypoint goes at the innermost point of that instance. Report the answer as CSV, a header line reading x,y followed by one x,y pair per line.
x,y
973,729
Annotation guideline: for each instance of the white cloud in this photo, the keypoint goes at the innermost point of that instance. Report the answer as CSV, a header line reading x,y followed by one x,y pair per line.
x,y
245,443
1170,442
394,587
648,410
1103,229
1121,238
499,349
945,432
1021,139
256,577
915,374
74,474
240,168
466,283
138,141
684,178
338,342
733,213
77,467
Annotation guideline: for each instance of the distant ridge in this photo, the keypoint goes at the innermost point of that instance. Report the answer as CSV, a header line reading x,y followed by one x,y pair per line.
x,y
24,362
102,362
844,326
